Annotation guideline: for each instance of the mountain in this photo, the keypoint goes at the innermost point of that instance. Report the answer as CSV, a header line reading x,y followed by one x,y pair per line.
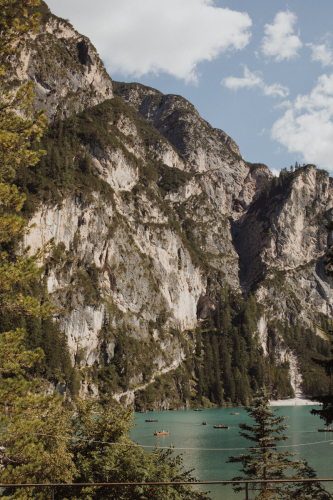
x,y
182,274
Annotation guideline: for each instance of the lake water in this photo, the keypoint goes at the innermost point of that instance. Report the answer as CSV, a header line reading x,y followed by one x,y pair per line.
x,y
186,431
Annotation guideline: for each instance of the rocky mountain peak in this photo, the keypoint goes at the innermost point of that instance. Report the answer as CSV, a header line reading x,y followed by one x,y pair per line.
x,y
160,225
64,66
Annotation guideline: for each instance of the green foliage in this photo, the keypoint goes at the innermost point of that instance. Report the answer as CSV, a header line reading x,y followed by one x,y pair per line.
x,y
19,125
229,362
265,462
31,421
86,281
49,440
40,332
131,357
66,169
172,179
98,458
25,410
173,387
45,334
17,19
191,242
307,345
326,395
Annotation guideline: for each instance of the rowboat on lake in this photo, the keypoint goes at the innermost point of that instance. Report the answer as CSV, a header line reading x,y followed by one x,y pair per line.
x,y
197,409
160,433
221,427
204,422
151,420
234,413
325,430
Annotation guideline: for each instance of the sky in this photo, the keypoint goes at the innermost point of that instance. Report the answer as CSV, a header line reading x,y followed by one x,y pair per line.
x,y
262,71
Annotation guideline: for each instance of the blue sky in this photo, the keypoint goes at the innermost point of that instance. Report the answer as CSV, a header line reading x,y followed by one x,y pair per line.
x,y
262,71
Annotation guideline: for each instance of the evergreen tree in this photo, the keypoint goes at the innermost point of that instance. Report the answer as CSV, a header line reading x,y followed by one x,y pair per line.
x,y
228,379
275,182
264,461
95,460
86,164
26,412
326,411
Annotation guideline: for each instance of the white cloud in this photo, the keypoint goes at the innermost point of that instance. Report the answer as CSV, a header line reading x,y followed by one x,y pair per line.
x,y
279,40
174,36
249,80
255,80
275,172
276,90
307,126
321,53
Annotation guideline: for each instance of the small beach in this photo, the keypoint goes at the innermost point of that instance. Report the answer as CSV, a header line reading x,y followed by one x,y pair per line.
x,y
294,402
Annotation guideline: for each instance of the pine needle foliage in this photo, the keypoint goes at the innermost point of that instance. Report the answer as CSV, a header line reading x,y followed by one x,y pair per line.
x,y
24,410
96,460
264,461
326,411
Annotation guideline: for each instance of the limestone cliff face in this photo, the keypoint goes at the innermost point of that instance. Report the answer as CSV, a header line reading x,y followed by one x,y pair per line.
x,y
281,241
65,68
157,252
145,265
231,183
140,271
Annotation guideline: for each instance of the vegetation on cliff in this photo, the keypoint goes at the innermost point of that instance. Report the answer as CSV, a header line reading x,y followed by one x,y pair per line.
x,y
227,365
224,357
43,437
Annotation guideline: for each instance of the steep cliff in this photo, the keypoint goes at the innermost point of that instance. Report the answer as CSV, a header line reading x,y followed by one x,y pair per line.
x,y
289,236
155,217
64,67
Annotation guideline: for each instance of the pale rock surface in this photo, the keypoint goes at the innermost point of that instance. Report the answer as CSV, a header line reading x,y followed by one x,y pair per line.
x,y
178,290
115,168
145,265
65,69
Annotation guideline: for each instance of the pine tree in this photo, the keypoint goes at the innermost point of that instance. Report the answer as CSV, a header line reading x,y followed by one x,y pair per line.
x,y
217,386
19,126
97,461
86,164
326,411
264,461
25,411
228,379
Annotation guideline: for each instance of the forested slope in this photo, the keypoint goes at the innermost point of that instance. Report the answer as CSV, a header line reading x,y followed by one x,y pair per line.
x,y
182,274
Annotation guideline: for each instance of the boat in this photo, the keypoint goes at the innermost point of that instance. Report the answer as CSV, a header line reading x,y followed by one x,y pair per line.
x,y
161,433
234,413
197,409
143,411
204,422
151,420
221,427
325,430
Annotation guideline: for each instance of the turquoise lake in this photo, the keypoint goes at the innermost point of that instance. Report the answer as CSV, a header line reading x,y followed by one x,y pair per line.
x,y
186,431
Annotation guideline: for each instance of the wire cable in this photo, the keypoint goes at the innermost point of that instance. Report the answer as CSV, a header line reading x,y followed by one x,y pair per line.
x,y
173,448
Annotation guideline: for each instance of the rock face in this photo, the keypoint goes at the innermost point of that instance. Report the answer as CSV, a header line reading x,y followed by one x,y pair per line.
x,y
230,182
65,68
158,251
282,240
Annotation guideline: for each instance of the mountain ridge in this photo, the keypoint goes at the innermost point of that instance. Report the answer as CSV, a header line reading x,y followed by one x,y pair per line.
x,y
160,227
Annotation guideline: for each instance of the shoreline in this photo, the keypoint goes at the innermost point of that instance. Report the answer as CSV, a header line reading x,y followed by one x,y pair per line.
x,y
294,402
279,402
